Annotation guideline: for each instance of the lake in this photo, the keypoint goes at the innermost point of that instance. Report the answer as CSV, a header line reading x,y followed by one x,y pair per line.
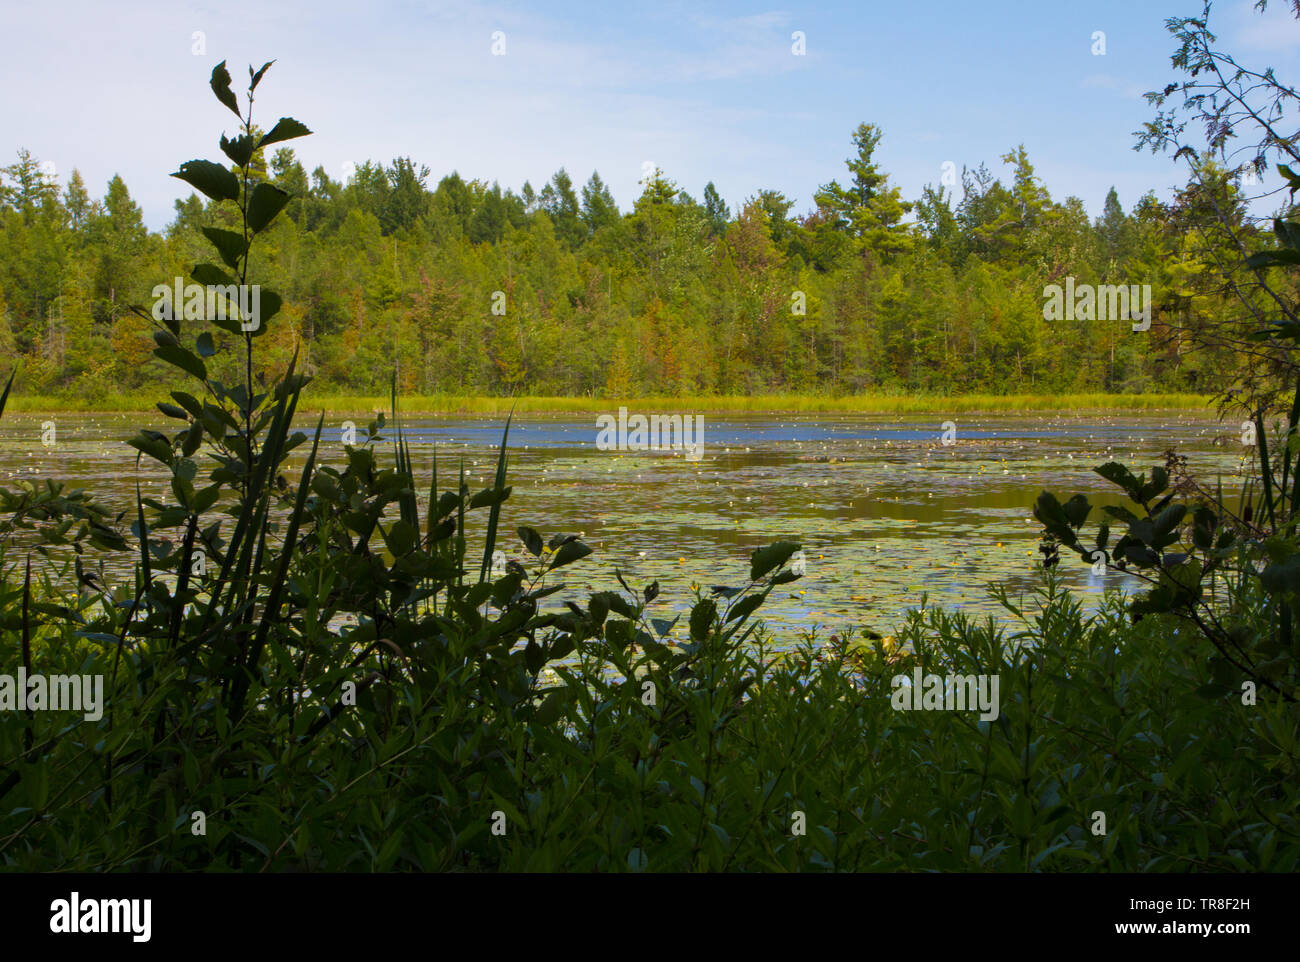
x,y
884,509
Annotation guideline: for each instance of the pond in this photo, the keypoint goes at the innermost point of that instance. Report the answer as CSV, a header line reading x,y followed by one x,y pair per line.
x,y
885,509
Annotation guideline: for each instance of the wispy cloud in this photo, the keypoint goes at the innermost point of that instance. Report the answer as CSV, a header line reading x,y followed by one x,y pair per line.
x,y
729,48
1105,81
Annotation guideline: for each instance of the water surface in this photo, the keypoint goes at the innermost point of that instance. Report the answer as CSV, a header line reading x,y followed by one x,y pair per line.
x,y
885,510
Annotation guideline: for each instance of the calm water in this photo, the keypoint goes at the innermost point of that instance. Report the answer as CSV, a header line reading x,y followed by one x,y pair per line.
x,y
884,510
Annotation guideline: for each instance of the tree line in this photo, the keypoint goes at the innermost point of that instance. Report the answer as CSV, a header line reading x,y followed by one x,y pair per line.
x,y
465,288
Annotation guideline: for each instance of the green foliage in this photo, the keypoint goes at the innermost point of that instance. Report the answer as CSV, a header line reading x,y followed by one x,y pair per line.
x,y
643,752
388,272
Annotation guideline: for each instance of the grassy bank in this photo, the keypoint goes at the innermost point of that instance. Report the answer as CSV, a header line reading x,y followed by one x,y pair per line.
x,y
867,404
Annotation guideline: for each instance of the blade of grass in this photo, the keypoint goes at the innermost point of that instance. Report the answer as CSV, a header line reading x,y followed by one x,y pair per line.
x,y
460,527
494,513
5,396
28,734
144,531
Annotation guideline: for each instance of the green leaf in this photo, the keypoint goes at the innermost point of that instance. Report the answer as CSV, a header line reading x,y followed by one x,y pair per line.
x,y
615,602
256,78
1116,473
1120,513
267,201
239,150
1158,483
1050,513
213,180
548,713
568,554
271,304
1277,258
172,411
773,556
1139,554
531,539
1169,519
1288,233
230,245
286,128
8,384
155,447
745,607
702,616
204,345
401,538
193,438
206,497
663,626
211,274
489,496
1076,510
220,84
182,359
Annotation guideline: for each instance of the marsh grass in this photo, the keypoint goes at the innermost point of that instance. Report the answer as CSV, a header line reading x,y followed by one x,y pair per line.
x,y
869,404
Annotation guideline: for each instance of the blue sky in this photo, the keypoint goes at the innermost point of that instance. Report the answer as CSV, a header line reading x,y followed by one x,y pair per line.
x,y
705,91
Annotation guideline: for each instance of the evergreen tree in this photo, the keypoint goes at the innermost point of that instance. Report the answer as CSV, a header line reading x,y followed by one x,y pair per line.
x,y
77,201
868,209
490,218
598,207
1115,228
406,199
716,208
561,204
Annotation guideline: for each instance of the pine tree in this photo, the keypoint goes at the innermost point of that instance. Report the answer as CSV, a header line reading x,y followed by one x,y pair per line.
x,y
561,204
598,207
77,201
868,209
716,208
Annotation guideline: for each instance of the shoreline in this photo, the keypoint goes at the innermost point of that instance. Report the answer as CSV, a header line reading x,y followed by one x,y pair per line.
x,y
883,404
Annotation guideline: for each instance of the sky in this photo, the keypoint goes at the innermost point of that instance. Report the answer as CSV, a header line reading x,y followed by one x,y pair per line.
x,y
704,91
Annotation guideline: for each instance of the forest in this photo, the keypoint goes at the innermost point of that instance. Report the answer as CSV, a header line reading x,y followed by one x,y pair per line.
x,y
467,290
